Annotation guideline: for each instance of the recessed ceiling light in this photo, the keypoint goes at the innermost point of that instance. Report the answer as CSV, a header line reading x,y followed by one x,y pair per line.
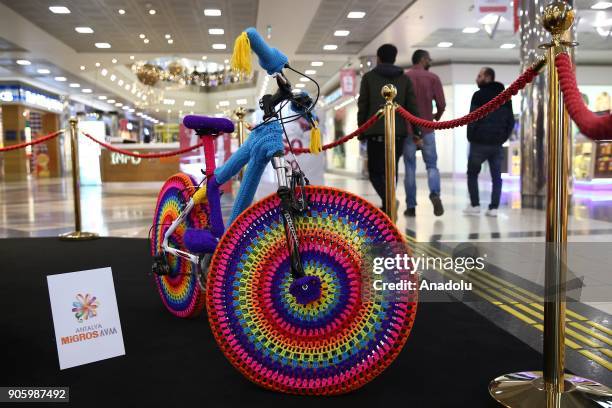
x,y
97,64
103,45
23,62
224,103
127,87
168,101
189,103
59,10
310,71
602,5
445,44
304,79
316,64
226,61
84,30
169,110
171,41
216,31
74,85
119,104
60,79
152,12
219,46
132,110
104,71
102,97
241,101
111,101
356,14
121,11
120,82
113,77
204,57
146,41
330,47
43,71
299,85
125,107
142,36
86,90
132,57
471,30
114,60
341,33
168,36
507,46
212,12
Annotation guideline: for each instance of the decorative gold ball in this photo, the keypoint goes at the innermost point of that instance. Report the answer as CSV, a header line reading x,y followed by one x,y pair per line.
x,y
558,17
240,112
389,92
176,68
148,74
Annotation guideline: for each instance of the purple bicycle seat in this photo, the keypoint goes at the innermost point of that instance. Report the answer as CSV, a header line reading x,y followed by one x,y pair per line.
x,y
206,124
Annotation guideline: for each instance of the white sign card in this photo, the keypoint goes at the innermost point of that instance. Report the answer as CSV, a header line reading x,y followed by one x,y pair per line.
x,y
85,317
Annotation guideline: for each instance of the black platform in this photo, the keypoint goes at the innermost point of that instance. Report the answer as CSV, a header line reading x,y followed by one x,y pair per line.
x,y
448,361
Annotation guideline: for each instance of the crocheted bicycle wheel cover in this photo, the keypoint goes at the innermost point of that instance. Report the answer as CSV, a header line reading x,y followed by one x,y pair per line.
x,y
331,346
180,290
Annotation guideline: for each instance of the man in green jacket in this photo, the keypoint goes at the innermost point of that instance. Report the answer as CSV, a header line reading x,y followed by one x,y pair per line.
x,y
370,100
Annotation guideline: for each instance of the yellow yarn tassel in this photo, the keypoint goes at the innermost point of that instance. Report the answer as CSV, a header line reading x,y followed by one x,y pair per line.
x,y
315,139
241,57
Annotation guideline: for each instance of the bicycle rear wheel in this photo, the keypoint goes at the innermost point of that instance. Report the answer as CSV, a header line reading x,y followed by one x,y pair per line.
x,y
180,291
331,346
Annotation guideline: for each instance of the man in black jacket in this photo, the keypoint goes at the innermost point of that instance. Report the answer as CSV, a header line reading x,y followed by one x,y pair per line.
x,y
370,100
486,137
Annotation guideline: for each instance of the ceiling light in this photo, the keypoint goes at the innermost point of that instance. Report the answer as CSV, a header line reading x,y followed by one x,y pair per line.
x,y
102,45
224,103
23,62
316,64
119,104
101,97
111,101
299,85
104,71
445,44
310,72
114,60
304,79
204,57
146,41
131,110
84,30
152,12
219,46
189,103
330,47
127,87
142,36
125,107
356,14
241,101
471,30
132,57
43,71
341,33
507,46
86,90
59,10
168,101
97,64
121,11
212,12
216,31
120,82
602,5
171,41
60,79
74,85
168,36
226,61
113,77
169,110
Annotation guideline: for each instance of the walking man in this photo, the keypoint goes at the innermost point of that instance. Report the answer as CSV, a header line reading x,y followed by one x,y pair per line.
x,y
370,100
428,89
486,138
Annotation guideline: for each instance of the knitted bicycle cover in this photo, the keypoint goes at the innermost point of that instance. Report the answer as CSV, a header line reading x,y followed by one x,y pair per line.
x,y
180,291
331,346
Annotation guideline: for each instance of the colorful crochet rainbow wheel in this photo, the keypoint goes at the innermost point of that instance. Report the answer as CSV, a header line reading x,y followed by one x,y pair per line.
x,y
331,346
180,290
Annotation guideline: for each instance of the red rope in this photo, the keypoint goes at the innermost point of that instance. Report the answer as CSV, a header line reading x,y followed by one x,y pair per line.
x,y
525,78
32,142
366,125
143,155
591,125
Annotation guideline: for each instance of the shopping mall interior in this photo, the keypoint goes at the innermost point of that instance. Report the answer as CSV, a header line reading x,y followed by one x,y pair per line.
x,y
95,101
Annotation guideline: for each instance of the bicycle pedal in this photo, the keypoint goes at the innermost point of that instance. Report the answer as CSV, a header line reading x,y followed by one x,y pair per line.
x,y
160,266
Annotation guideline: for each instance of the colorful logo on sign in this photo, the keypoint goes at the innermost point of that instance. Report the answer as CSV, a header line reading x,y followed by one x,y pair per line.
x,y
85,307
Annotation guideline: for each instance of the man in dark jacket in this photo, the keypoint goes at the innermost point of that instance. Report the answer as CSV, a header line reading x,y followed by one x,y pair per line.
x,y
370,100
486,138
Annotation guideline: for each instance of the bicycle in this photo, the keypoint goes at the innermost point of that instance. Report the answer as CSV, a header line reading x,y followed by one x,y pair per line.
x,y
284,283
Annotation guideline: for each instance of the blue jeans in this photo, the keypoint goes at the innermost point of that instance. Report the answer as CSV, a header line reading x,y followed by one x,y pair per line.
x,y
479,153
431,163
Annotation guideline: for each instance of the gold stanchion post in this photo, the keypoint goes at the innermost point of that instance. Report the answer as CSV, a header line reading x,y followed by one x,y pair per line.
x,y
552,388
240,130
389,92
77,234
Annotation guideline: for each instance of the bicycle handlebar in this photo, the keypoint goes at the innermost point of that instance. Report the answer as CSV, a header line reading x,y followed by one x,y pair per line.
x,y
270,59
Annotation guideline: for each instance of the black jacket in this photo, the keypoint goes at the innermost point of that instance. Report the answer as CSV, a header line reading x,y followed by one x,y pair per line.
x,y
496,127
370,99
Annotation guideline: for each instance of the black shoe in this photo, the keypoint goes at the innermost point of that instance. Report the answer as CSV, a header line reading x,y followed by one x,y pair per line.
x,y
437,204
410,212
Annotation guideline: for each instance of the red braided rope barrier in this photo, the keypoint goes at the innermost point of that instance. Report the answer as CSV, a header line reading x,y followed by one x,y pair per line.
x,y
366,125
32,142
591,125
143,155
525,78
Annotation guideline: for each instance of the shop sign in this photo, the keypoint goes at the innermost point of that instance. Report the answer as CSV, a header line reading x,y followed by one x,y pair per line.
x,y
486,7
118,158
348,82
28,96
85,317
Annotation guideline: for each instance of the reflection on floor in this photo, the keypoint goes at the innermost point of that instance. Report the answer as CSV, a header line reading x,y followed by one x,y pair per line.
x,y
511,288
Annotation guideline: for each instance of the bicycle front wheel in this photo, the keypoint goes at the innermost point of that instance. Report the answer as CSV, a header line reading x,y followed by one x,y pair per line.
x,y
331,346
